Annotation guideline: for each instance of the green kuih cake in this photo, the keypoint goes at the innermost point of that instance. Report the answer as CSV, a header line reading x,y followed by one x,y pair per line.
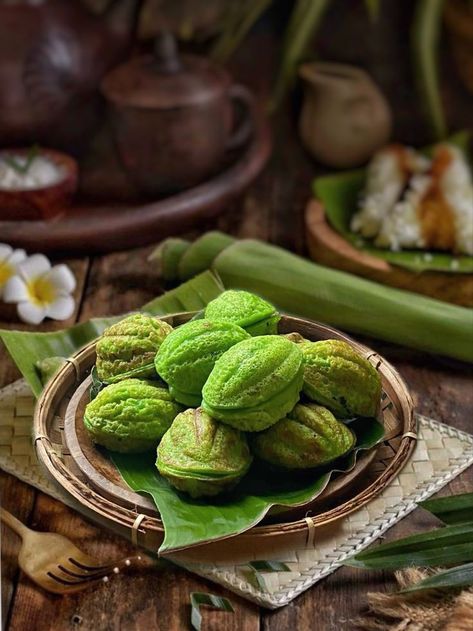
x,y
130,416
188,354
308,437
201,456
255,383
251,312
128,348
339,378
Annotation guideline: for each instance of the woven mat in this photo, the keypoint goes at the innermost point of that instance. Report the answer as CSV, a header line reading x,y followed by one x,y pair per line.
x,y
441,453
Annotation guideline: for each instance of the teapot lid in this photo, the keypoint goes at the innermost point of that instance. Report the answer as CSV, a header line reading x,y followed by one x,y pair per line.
x,y
164,79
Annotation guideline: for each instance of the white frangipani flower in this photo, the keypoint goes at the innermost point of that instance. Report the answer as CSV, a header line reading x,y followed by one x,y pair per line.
x,y
9,259
41,291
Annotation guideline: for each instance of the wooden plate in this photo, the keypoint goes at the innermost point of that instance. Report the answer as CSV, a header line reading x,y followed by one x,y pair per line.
x,y
109,227
118,510
328,247
102,475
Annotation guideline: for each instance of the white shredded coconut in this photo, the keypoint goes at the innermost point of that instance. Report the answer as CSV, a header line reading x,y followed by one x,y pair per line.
x,y
401,227
41,172
386,179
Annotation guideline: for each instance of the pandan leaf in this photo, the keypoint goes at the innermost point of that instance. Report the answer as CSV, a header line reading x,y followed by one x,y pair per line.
x,y
269,566
241,17
257,567
461,576
373,9
209,600
19,166
304,22
456,509
425,35
189,522
443,546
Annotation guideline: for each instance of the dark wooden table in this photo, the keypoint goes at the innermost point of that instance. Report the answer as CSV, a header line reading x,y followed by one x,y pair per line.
x,y
116,283
271,210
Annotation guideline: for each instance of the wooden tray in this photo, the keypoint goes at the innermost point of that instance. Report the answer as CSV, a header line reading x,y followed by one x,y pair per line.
x,y
100,492
107,227
328,247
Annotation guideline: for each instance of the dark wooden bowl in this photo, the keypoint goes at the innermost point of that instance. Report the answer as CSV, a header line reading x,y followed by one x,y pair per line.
x,y
36,204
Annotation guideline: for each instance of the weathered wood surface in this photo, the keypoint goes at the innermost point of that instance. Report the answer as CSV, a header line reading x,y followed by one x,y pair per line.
x,y
271,210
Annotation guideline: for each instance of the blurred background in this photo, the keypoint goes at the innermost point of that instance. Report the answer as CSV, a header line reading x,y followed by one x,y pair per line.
x,y
142,100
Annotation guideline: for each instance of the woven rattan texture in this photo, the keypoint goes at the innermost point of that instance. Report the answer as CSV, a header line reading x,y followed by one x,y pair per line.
x,y
441,453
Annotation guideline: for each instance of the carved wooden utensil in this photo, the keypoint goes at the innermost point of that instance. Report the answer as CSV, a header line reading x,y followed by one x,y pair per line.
x,y
55,563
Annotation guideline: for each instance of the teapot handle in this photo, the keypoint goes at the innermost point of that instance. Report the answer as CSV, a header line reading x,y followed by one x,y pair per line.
x,y
241,134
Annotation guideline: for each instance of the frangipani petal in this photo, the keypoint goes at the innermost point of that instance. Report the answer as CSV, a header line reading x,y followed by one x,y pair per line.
x,y
5,251
17,256
15,290
31,313
34,266
62,278
61,309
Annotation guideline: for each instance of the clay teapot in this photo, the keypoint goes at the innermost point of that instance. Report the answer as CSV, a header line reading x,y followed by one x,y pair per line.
x,y
345,118
53,54
173,117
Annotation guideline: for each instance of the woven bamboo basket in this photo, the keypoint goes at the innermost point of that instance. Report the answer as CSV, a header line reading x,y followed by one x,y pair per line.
x,y
96,490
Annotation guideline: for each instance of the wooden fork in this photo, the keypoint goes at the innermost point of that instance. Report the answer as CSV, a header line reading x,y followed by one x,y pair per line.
x,y
55,563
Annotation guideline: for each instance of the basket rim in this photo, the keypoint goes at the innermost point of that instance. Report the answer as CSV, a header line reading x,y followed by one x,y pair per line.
x,y
125,517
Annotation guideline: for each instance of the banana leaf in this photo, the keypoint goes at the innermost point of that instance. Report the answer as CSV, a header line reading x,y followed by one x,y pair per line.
x,y
457,509
339,194
27,348
443,546
189,522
